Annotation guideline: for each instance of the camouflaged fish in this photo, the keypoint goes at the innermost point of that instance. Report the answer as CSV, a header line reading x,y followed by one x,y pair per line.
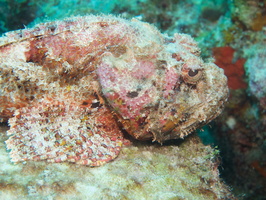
x,y
71,89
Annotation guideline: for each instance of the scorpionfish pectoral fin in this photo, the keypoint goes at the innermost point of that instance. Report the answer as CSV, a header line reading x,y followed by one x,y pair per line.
x,y
58,132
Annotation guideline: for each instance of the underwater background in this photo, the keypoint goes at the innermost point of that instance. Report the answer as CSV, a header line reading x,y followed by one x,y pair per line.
x,y
232,32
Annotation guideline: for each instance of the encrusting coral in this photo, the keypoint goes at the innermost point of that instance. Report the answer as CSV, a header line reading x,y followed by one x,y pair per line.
x,y
183,170
234,71
72,88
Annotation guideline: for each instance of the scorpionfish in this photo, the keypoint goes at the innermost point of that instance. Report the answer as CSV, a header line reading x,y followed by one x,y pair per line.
x,y
71,89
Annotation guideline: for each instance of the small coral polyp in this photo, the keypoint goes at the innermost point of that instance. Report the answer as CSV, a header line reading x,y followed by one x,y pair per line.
x,y
70,89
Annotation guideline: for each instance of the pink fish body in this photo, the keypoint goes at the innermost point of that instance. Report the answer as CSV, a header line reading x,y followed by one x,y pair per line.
x,y
71,89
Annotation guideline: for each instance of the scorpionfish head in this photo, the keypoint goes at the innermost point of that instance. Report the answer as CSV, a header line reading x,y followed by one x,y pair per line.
x,y
164,91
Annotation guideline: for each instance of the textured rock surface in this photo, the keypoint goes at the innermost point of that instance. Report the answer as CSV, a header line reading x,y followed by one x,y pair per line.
x,y
182,170
256,71
74,86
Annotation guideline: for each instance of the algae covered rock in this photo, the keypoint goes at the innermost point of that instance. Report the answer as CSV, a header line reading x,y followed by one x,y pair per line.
x,y
183,169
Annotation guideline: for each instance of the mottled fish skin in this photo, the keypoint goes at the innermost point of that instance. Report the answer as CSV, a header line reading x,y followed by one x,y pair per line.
x,y
70,88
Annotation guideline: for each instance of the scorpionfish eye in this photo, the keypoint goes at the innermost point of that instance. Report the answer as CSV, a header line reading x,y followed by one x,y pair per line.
x,y
190,75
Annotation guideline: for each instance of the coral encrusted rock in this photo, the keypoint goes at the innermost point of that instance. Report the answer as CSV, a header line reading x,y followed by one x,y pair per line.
x,y
71,89
184,170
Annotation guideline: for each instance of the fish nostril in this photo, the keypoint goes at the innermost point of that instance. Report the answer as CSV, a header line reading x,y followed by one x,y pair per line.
x,y
132,94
